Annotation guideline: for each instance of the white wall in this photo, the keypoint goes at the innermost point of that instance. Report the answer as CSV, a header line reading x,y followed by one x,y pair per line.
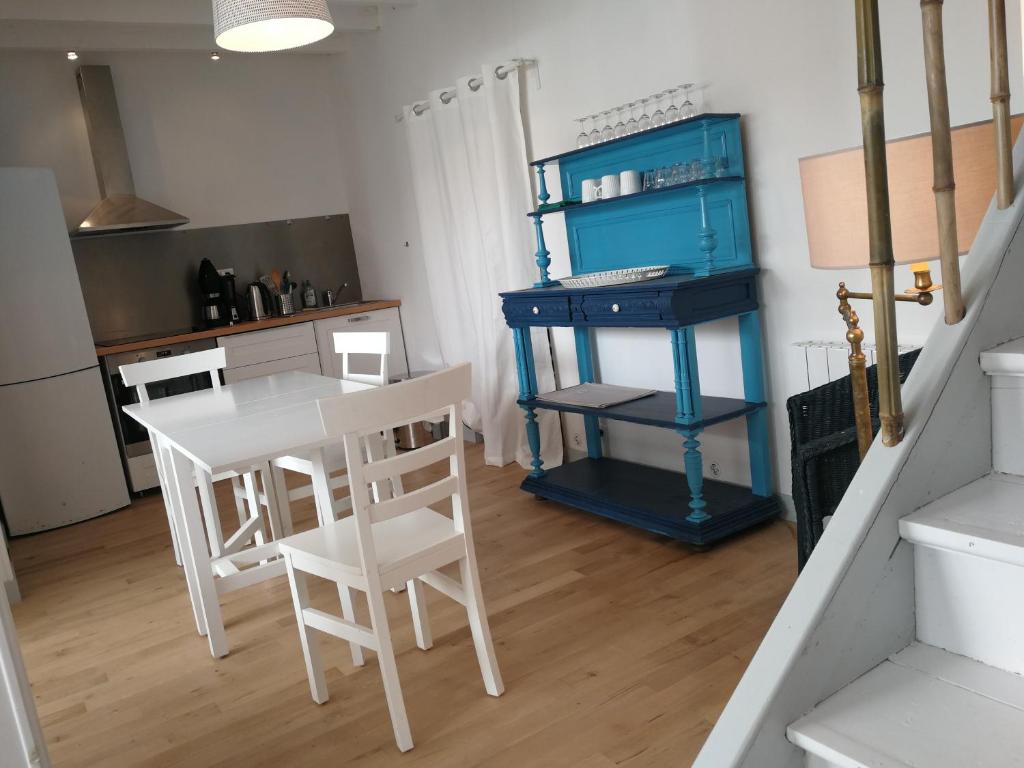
x,y
790,68
240,140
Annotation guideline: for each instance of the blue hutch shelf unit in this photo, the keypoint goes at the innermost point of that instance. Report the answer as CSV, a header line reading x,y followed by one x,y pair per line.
x,y
701,230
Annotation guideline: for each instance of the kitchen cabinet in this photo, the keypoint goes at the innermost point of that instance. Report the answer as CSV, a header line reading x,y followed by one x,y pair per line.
x,y
378,320
260,353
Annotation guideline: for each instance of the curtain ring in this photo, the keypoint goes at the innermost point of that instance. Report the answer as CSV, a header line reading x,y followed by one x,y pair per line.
x,y
475,83
498,73
418,109
447,96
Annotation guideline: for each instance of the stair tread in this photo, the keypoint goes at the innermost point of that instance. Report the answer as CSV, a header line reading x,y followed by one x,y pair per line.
x,y
922,708
1006,359
982,518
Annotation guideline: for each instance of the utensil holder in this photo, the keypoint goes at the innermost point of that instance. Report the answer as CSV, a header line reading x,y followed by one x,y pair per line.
x,y
285,305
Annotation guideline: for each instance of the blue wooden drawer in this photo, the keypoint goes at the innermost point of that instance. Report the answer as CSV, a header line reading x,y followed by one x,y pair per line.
x,y
537,310
623,308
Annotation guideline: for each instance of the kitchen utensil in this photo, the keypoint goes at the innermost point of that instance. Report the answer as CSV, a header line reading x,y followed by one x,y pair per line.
x,y
270,285
629,182
328,298
285,305
275,278
259,301
615,277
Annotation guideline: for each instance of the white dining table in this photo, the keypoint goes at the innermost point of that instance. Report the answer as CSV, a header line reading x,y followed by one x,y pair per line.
x,y
241,427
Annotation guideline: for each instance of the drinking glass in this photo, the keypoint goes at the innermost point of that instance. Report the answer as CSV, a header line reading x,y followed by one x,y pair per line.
x,y
677,176
661,178
631,125
620,127
658,118
696,170
644,123
648,180
672,113
721,166
583,140
607,132
595,132
687,110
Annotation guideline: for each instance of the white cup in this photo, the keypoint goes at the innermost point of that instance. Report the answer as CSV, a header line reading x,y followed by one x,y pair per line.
x,y
590,190
609,186
629,182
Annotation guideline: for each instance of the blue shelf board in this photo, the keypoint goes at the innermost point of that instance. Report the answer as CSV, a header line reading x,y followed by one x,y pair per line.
x,y
652,499
707,117
659,410
574,206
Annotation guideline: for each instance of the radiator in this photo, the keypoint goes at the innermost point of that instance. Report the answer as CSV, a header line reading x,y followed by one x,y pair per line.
x,y
813,363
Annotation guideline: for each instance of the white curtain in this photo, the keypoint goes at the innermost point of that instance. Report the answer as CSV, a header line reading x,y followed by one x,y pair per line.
x,y
472,188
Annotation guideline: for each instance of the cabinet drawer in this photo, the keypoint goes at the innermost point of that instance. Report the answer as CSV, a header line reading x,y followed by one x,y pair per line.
x,y
622,308
272,344
523,310
310,363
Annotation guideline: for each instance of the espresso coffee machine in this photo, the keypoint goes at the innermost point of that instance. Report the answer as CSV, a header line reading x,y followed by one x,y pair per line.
x,y
211,293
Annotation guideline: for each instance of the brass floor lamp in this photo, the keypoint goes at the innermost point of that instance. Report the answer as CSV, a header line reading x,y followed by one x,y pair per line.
x,y
835,212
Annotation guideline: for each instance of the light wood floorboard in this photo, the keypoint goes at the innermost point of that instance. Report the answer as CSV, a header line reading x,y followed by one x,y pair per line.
x,y
618,648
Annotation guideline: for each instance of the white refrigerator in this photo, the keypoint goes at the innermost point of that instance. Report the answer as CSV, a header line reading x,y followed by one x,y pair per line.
x,y
59,462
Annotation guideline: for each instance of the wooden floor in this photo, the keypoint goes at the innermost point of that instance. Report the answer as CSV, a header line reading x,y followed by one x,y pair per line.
x,y
618,648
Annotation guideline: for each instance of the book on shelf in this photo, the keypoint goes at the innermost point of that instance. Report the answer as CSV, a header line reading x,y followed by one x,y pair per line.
x,y
595,395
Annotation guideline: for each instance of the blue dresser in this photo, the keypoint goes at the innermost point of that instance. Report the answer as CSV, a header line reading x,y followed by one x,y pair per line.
x,y
701,230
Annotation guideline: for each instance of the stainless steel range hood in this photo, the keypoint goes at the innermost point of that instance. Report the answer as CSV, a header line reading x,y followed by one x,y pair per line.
x,y
120,210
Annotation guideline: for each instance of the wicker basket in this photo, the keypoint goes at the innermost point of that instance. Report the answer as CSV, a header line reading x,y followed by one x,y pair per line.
x,y
824,454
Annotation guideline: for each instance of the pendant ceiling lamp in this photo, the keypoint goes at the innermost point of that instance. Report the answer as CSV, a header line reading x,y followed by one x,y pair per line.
x,y
270,25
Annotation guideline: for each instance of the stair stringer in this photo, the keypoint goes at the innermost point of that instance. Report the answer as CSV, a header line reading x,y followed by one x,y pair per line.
x,y
853,605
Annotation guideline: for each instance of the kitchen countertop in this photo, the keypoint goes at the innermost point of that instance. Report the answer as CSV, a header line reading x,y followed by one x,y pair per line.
x,y
247,326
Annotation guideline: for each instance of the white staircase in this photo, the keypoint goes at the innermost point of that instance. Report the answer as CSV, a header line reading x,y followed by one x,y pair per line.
x,y
954,698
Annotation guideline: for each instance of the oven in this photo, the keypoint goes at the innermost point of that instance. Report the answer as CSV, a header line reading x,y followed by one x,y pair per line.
x,y
132,437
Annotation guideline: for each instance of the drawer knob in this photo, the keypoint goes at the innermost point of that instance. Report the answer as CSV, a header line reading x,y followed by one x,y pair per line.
x,y
615,307
536,310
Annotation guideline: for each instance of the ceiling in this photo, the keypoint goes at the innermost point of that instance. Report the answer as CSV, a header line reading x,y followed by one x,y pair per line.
x,y
151,25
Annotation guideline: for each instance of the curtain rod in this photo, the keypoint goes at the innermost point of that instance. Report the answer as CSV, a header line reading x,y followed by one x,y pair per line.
x,y
501,72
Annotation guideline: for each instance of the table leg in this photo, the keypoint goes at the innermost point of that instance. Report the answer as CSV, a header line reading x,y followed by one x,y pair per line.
x,y
162,455
279,486
528,391
753,391
689,411
196,555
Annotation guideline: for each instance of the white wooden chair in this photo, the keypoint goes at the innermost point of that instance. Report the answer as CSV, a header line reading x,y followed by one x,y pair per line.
x,y
346,343
209,361
393,541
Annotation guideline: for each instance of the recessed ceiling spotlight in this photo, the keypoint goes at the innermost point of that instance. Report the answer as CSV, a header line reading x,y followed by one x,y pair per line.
x,y
214,56
72,56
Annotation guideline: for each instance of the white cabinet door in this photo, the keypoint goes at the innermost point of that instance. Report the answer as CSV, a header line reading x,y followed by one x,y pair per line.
x,y
309,363
379,320
264,346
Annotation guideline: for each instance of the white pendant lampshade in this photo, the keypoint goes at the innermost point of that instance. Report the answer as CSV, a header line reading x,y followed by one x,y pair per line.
x,y
255,26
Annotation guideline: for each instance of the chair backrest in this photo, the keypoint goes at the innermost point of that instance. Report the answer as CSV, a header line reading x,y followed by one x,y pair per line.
x,y
356,415
138,375
364,343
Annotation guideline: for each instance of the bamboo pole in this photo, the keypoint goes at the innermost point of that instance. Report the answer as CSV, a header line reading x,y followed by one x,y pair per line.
x,y
1000,103
858,372
869,76
944,185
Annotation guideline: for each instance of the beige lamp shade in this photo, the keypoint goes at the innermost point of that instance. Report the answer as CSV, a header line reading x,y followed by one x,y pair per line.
x,y
835,197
